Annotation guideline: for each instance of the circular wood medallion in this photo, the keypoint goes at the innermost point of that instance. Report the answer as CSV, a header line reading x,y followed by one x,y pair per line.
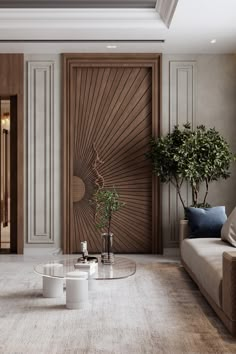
x,y
78,189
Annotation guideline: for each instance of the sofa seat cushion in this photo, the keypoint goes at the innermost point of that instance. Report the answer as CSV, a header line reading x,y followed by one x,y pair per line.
x,y
203,256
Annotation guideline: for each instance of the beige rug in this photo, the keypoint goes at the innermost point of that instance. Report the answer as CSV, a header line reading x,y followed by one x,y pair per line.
x,y
159,310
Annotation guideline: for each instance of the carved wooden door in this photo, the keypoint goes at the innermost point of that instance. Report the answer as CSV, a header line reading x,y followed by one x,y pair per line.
x,y
111,119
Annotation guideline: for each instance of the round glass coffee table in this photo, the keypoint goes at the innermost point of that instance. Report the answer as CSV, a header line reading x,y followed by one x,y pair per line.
x,y
80,277
122,268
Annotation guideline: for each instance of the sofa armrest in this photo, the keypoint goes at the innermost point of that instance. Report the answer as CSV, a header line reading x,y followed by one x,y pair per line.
x,y
183,230
229,285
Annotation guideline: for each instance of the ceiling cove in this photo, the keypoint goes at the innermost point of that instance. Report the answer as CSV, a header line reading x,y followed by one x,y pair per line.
x,y
100,20
164,8
146,4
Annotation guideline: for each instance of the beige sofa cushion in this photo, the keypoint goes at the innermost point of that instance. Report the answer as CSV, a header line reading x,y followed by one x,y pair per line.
x,y
228,231
204,258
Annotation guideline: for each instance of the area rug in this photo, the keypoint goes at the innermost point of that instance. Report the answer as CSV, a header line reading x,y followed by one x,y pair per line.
x,y
159,310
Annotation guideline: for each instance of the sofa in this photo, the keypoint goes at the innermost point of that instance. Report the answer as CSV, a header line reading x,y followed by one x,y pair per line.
x,y
211,263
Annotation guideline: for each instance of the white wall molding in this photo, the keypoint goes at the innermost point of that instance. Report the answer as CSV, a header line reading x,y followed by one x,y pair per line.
x,y
40,119
180,108
182,94
166,9
78,18
82,23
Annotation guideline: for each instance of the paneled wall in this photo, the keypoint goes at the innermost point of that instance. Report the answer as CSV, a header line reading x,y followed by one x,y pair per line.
x,y
43,149
199,89
182,107
40,149
196,88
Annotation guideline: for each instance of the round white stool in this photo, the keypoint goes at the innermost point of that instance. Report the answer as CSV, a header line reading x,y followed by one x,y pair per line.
x,y
52,287
76,290
91,269
92,277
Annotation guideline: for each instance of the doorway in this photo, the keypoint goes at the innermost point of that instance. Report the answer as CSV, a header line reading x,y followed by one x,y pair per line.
x,y
111,110
8,169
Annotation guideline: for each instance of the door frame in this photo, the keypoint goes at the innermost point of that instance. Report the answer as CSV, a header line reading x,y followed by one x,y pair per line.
x,y
12,84
71,61
16,178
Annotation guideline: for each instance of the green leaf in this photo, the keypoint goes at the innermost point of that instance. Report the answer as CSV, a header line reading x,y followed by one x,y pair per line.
x,y
107,203
197,156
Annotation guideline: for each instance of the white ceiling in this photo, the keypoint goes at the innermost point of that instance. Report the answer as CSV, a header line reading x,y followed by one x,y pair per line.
x,y
195,23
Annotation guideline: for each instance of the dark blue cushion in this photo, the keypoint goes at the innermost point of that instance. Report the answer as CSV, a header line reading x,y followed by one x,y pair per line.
x,y
206,222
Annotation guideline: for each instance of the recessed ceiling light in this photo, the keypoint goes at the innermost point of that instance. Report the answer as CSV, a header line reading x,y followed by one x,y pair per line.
x,y
213,41
111,46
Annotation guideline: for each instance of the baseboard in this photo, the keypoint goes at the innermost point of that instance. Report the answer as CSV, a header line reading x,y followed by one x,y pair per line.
x,y
52,251
42,251
171,252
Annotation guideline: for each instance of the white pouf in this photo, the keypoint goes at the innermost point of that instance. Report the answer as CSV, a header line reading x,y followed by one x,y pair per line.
x,y
91,269
92,282
52,287
76,290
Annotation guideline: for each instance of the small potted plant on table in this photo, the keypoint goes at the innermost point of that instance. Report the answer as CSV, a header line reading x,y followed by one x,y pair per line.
x,y
107,203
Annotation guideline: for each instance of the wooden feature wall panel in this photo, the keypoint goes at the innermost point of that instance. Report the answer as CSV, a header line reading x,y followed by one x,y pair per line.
x,y
112,106
40,152
12,84
182,101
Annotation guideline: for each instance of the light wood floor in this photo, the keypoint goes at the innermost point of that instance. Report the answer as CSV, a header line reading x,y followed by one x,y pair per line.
x,y
159,310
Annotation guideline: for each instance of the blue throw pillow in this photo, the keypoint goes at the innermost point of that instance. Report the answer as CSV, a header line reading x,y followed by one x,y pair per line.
x,y
206,222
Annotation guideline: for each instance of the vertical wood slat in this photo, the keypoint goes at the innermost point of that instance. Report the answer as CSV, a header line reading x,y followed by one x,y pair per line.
x,y
1,209
70,165
182,102
12,85
157,242
40,152
73,61
105,143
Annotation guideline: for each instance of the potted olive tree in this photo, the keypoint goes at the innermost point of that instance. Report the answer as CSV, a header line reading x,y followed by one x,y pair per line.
x,y
204,157
107,203
197,156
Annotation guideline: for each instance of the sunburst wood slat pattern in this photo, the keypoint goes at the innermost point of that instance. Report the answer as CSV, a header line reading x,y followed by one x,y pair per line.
x,y
112,108
110,103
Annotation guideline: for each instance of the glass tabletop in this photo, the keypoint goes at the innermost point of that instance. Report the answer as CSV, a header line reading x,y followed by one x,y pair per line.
x,y
122,268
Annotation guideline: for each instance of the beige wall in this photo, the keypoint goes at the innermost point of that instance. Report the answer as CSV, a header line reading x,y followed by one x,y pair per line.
x,y
200,89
